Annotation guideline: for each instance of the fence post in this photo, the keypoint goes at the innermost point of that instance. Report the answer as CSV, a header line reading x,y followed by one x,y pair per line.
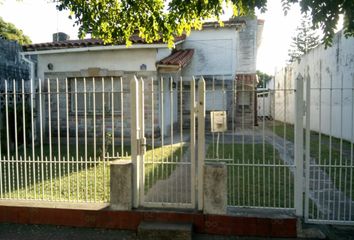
x,y
299,145
142,141
192,141
201,140
134,135
307,142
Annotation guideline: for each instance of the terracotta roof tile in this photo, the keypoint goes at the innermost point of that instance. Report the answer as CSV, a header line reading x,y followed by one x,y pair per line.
x,y
178,58
84,43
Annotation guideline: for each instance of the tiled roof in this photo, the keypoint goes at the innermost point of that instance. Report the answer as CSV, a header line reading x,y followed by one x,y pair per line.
x,y
238,23
81,43
178,58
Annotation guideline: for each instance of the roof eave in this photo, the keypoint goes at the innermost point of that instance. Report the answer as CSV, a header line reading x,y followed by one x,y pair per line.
x,y
98,48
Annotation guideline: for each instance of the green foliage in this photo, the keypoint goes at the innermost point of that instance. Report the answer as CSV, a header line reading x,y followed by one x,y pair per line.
x,y
115,21
304,40
263,79
325,15
10,32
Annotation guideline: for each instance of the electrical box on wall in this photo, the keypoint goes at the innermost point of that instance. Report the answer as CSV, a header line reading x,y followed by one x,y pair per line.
x,y
218,121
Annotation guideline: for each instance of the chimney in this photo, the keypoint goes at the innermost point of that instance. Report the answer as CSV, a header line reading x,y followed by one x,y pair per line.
x,y
60,36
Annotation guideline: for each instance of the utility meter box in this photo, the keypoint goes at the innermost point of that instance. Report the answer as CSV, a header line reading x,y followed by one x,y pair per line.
x,y
218,121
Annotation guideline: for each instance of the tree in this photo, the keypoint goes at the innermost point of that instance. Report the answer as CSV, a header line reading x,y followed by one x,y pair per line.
x,y
263,79
116,20
10,32
304,40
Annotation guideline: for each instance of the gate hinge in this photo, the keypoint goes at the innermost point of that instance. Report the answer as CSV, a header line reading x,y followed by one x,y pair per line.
x,y
141,146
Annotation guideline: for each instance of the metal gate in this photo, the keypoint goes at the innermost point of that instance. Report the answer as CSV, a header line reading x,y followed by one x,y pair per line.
x,y
163,142
329,151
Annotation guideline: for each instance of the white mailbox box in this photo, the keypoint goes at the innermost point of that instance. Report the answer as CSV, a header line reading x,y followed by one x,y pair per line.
x,y
218,121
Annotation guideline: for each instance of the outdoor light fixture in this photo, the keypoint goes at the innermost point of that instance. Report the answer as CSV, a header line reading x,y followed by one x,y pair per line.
x,y
50,66
143,67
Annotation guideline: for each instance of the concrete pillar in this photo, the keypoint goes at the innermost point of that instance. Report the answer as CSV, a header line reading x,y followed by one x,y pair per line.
x,y
121,197
215,188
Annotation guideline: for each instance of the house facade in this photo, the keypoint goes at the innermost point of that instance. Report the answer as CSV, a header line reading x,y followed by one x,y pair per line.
x,y
226,54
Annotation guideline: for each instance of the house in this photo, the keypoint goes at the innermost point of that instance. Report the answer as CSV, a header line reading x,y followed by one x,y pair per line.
x,y
226,58
227,55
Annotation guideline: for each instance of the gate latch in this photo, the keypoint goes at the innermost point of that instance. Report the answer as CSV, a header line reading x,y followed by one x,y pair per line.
x,y
142,146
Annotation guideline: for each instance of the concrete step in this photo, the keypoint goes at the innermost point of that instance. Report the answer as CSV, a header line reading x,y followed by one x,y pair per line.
x,y
164,231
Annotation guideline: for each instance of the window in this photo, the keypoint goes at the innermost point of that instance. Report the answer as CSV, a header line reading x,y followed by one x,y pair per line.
x,y
244,101
100,94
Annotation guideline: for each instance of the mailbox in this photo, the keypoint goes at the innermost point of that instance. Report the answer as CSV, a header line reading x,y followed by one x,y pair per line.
x,y
218,121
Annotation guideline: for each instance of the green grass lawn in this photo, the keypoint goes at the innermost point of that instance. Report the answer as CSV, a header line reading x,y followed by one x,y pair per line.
x,y
269,183
327,151
71,180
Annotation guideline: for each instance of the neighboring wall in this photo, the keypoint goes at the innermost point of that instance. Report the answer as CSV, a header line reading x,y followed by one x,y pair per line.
x,y
332,71
12,67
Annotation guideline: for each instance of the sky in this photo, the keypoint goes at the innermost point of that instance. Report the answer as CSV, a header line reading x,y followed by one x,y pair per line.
x,y
39,19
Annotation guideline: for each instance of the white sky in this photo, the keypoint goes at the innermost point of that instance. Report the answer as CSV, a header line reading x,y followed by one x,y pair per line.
x,y
39,19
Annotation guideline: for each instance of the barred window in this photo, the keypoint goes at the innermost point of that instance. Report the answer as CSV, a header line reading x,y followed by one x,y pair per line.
x,y
101,94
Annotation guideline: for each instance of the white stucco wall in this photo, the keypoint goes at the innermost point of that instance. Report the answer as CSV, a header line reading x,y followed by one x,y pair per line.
x,y
247,48
214,52
223,50
332,70
123,59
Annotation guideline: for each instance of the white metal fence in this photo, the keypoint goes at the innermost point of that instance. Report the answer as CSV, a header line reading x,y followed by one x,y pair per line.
x,y
258,151
59,136
329,153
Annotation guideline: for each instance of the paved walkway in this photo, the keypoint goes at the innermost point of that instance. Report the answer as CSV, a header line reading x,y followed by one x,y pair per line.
x,y
177,187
